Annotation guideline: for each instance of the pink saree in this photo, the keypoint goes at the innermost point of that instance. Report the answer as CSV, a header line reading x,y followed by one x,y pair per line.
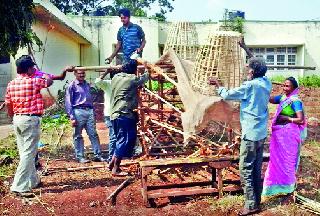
x,y
285,143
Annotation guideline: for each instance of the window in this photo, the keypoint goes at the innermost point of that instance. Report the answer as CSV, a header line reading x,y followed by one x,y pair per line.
x,y
270,50
281,59
276,55
292,49
281,49
291,59
270,60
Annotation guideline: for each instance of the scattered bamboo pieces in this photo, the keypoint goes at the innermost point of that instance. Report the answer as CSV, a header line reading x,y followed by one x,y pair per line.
x,y
113,196
308,204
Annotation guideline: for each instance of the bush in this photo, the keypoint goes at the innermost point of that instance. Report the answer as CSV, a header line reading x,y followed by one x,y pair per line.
x,y
308,81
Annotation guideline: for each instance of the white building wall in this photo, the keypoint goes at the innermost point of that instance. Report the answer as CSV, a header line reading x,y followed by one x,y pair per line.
x,y
58,51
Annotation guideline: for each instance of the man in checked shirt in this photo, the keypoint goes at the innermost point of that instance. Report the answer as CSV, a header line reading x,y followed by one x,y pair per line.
x,y
25,104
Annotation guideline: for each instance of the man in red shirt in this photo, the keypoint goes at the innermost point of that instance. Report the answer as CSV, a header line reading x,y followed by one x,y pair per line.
x,y
25,104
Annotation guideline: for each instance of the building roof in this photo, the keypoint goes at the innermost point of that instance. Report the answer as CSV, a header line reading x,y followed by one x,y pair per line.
x,y
49,14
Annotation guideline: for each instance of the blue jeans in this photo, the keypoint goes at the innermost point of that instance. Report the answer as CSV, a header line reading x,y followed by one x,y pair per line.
x,y
112,137
85,119
126,133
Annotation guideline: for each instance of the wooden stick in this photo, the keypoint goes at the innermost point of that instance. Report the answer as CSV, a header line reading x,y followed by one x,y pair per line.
x,y
98,67
158,70
163,100
291,67
114,194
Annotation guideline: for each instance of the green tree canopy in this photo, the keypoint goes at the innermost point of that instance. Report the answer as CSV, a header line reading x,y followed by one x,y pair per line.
x,y
16,21
111,7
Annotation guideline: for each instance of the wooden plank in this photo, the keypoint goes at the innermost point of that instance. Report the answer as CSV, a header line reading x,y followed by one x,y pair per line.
x,y
181,192
180,185
186,161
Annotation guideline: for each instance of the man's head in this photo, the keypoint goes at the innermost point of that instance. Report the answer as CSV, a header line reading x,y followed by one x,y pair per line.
x,y
130,67
80,75
257,68
124,15
25,65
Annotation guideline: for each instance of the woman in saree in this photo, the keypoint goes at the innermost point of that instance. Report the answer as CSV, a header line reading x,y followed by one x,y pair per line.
x,y
288,133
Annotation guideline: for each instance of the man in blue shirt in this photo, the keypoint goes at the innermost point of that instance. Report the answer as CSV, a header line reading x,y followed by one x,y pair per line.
x,y
130,38
254,98
79,107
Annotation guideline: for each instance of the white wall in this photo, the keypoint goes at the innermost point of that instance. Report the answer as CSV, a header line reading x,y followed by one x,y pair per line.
x,y
58,52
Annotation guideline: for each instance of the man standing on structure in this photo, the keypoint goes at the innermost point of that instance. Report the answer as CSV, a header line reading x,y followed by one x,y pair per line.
x,y
131,38
26,105
79,107
124,102
254,98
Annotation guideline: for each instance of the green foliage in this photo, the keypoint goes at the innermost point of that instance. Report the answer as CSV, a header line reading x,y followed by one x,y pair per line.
x,y
308,81
16,21
137,7
54,121
237,24
155,85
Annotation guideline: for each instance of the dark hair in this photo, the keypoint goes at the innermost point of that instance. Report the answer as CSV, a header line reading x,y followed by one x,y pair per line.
x,y
293,81
258,66
130,67
125,12
24,63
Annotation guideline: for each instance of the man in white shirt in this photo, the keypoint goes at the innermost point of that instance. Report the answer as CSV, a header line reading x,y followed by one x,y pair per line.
x,y
105,85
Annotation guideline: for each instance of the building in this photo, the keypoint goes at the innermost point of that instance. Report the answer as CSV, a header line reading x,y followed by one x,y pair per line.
x,y
84,40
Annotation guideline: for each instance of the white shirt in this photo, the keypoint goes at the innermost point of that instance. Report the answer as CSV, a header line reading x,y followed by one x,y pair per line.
x,y
105,85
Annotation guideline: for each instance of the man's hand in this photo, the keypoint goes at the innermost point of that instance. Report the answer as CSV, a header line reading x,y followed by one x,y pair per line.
x,y
241,43
108,60
74,123
69,68
214,81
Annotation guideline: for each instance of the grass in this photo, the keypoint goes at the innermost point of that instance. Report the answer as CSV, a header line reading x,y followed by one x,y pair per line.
x,y
308,81
226,204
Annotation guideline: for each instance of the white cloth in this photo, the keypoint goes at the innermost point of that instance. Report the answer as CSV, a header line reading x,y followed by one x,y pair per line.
x,y
105,85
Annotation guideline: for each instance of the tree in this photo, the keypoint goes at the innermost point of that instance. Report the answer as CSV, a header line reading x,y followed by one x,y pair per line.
x,y
16,21
111,7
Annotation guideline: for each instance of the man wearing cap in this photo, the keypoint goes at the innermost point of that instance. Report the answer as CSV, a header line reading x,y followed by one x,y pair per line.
x,y
25,104
79,107
130,38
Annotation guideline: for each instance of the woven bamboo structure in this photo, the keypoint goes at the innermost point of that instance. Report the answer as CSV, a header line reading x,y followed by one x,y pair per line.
x,y
221,57
183,39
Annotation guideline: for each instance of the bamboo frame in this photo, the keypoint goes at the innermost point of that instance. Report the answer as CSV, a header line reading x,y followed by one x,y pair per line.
x,y
183,39
219,58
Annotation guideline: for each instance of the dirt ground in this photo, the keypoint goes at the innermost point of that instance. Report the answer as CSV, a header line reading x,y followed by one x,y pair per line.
x,y
85,192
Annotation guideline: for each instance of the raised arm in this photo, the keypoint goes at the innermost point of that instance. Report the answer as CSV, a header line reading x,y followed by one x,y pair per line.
x,y
243,45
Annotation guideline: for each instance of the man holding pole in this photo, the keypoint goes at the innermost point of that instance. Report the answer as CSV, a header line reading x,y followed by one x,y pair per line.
x,y
26,105
254,98
131,38
124,102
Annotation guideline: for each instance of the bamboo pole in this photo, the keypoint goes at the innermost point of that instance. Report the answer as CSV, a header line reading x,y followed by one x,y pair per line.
x,y
158,70
163,100
291,67
98,67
